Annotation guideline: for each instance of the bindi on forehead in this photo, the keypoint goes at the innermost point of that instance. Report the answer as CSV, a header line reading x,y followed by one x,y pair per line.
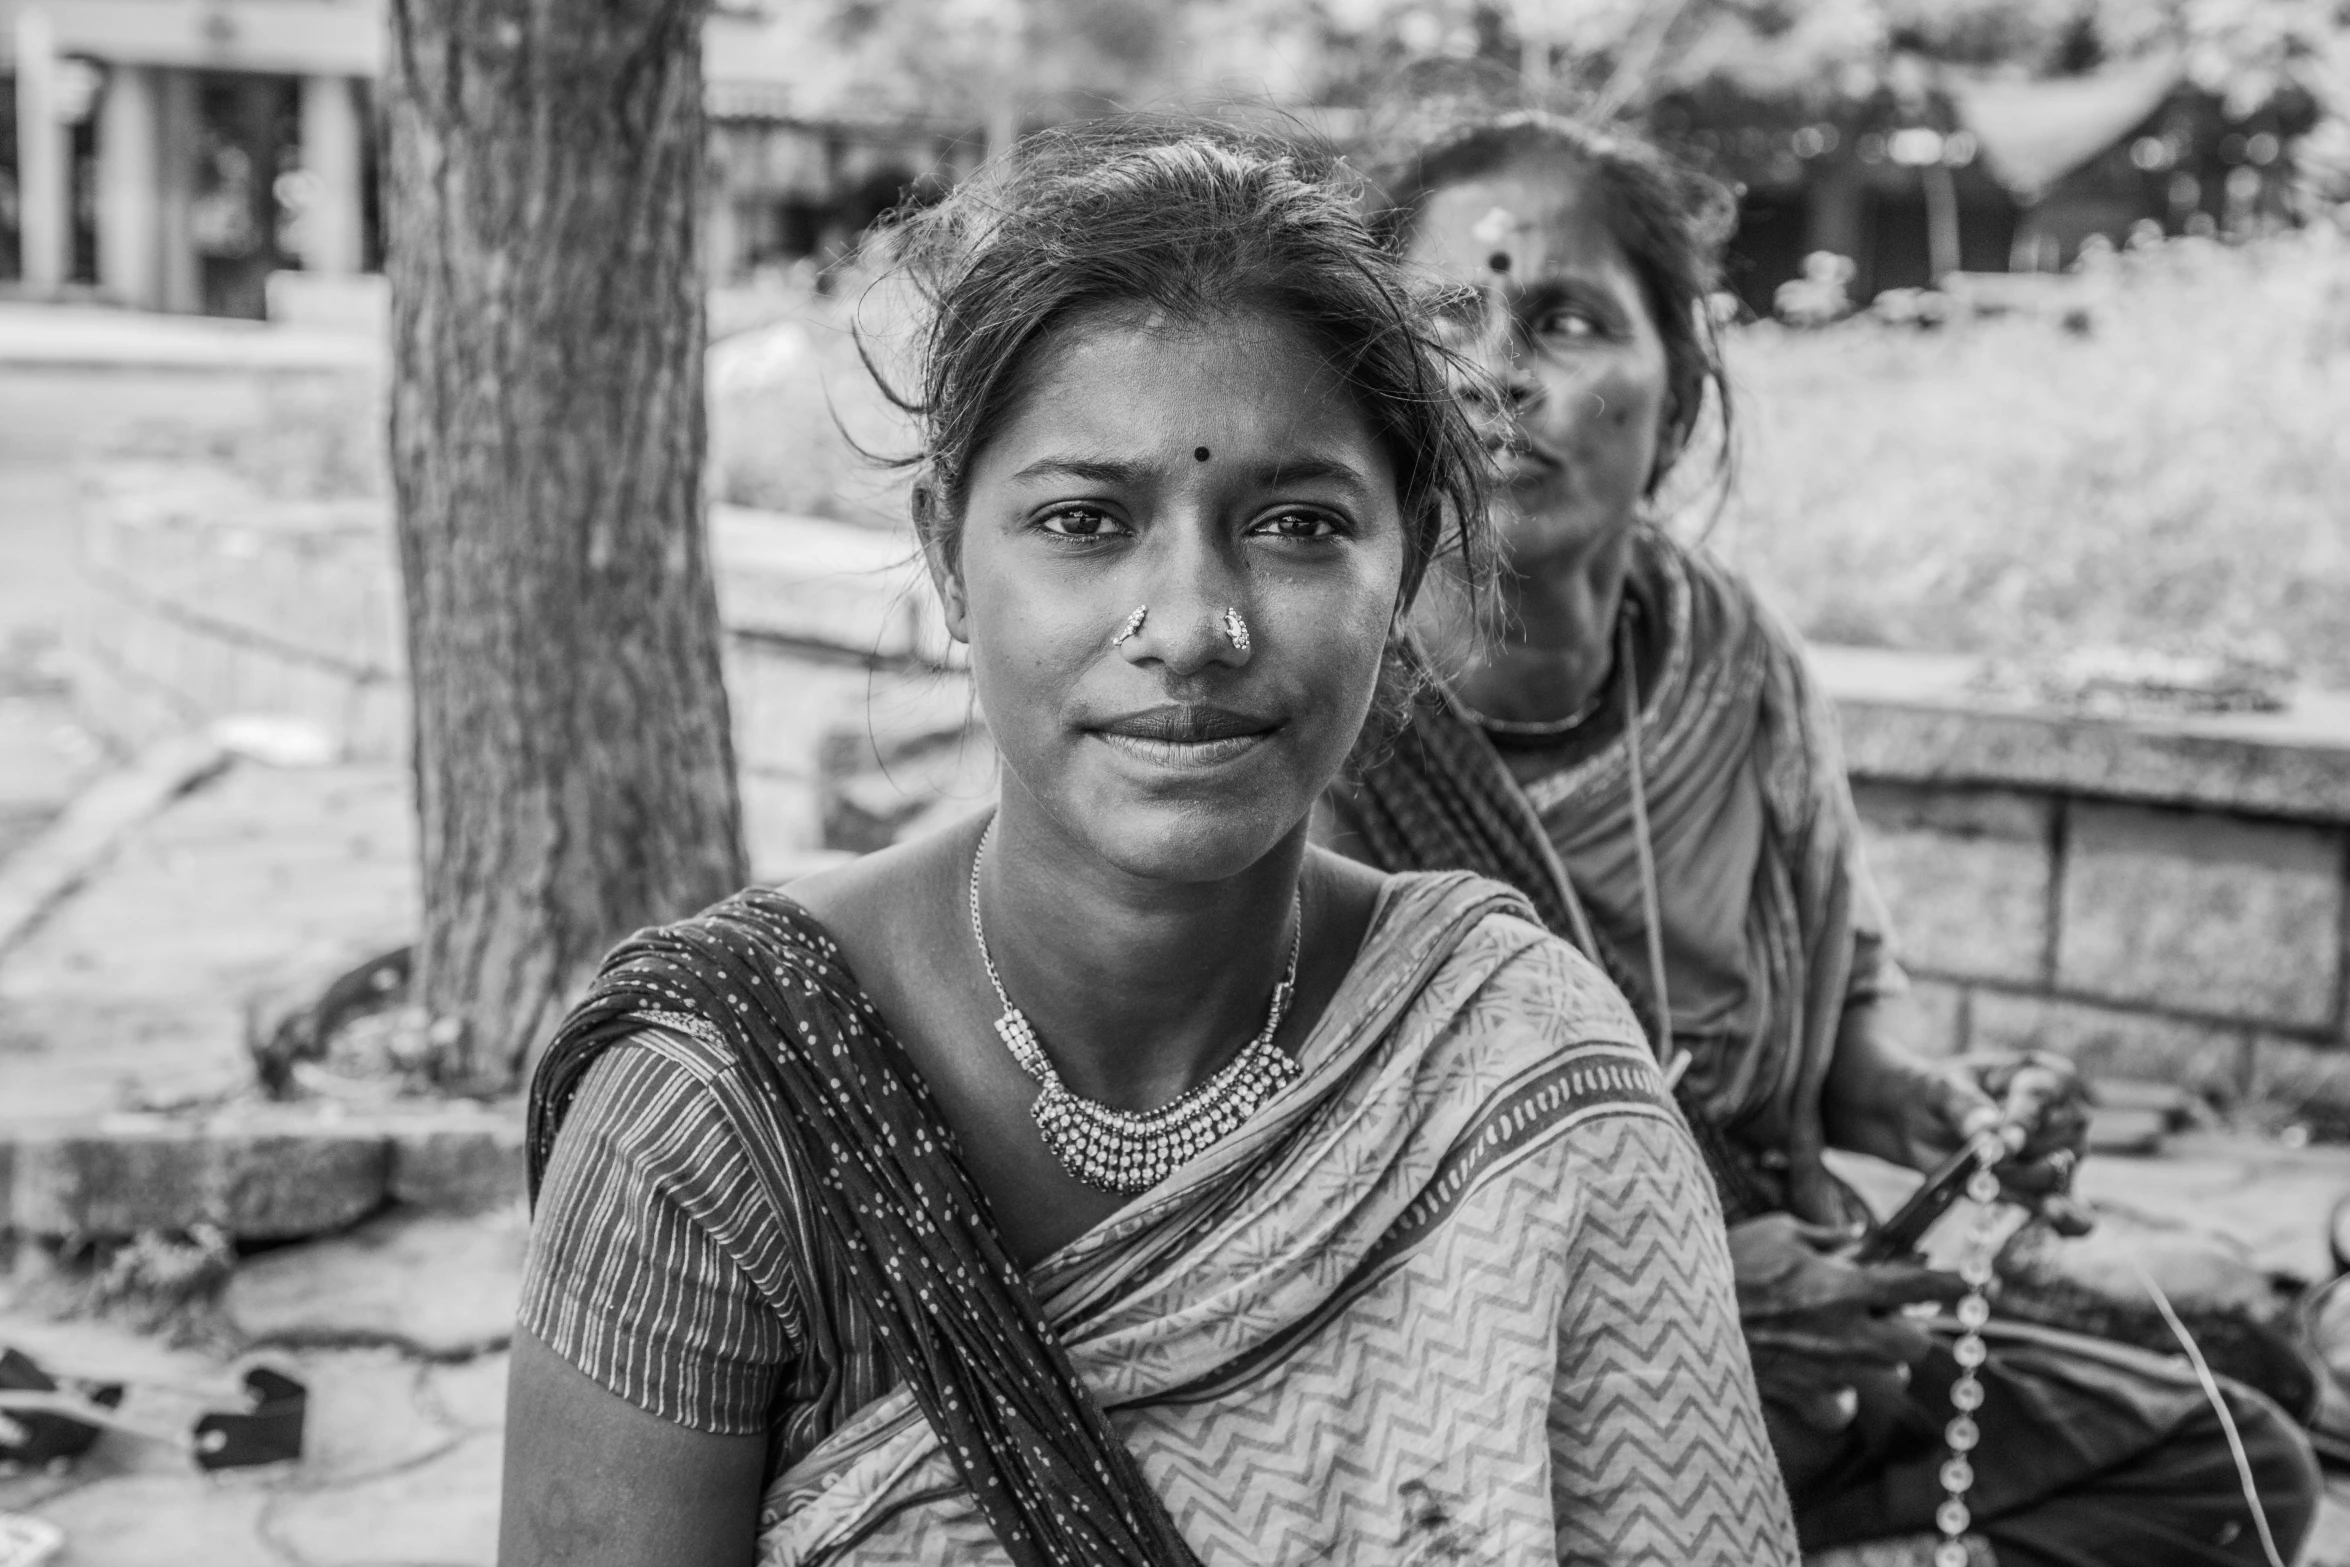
x,y
1199,454
1497,228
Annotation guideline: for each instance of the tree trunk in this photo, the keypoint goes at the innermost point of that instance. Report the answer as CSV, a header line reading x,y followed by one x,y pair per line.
x,y
574,770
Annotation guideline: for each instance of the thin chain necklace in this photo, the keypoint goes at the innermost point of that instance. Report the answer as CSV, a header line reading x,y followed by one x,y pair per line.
x,y
1127,1151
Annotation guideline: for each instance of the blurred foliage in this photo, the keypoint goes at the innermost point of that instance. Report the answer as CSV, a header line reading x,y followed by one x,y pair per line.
x,y
2155,459
1819,51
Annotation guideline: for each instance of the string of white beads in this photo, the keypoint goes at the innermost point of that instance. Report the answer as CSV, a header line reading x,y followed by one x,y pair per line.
x,y
1966,1394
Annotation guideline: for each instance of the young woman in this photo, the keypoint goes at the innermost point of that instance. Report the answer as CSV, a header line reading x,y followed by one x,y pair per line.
x,y
1116,1178
1642,753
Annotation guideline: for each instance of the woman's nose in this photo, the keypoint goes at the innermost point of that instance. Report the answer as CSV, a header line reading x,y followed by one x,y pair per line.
x,y
1194,617
1504,383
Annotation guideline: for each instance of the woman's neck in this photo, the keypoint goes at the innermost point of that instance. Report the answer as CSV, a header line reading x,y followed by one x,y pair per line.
x,y
1558,640
1139,988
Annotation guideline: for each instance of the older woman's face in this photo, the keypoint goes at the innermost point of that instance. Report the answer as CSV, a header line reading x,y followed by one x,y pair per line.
x,y
1182,469
1563,327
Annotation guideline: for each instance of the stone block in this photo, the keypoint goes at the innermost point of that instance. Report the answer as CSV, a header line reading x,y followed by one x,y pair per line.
x,y
2208,1060
1932,1018
1925,718
783,700
1965,874
434,1284
134,1173
182,1516
443,1510
458,1169
781,823
2293,1080
2202,914
918,757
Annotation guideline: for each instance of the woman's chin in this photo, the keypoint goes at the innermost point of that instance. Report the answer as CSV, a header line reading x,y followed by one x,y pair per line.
x,y
1187,841
1553,519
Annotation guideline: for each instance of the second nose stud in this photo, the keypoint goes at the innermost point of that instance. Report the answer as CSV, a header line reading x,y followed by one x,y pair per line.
x,y
1233,623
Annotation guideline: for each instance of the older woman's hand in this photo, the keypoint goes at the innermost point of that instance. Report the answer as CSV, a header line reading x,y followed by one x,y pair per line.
x,y
2044,1096
1825,1332
1883,1101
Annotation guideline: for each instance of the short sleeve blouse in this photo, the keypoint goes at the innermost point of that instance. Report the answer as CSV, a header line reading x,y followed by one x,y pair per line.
x,y
659,1263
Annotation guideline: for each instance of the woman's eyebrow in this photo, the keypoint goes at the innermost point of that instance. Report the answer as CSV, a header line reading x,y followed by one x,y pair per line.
x,y
1296,470
1093,470
1111,471
1550,289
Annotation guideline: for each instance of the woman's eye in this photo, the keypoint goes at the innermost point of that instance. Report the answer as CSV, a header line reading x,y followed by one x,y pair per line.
x,y
1079,522
1565,325
1297,525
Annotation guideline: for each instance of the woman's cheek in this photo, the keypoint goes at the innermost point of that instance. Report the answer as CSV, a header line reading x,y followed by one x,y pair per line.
x,y
1618,432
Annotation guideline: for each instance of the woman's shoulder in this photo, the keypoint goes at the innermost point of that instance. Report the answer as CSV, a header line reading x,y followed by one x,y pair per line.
x,y
1725,610
1555,996
873,906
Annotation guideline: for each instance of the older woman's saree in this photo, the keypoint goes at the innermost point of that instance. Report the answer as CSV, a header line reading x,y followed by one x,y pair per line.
x,y
1459,1294
1771,923
2090,1453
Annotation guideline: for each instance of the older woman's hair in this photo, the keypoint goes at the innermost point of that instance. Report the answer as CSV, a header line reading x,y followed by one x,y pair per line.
x,y
1190,221
1671,221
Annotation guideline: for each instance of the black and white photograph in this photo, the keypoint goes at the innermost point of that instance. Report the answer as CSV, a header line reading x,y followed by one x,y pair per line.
x,y
1174,783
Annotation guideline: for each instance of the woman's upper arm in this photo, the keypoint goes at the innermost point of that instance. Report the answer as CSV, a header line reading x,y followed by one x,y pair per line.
x,y
656,1324
591,1479
1658,1450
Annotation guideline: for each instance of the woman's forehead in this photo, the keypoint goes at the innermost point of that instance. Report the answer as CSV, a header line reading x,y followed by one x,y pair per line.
x,y
1532,216
1247,387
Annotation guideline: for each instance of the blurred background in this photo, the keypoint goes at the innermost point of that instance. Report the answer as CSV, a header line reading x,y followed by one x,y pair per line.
x,y
2038,312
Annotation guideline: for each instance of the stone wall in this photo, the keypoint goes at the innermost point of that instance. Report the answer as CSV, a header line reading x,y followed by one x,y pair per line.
x,y
2161,898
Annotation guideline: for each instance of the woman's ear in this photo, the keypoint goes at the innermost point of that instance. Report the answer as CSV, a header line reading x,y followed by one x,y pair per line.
x,y
1672,436
942,560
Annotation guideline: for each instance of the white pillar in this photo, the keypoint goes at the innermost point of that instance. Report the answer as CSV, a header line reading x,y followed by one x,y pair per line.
x,y
44,217
179,277
130,188
333,227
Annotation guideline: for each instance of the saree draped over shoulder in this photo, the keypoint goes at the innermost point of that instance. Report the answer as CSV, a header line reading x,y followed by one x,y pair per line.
x,y
1458,1294
1771,924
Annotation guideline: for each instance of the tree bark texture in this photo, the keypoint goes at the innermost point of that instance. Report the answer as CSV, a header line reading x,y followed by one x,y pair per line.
x,y
574,768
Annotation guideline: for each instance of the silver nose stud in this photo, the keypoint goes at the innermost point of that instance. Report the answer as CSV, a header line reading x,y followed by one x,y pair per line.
x,y
1133,624
1235,629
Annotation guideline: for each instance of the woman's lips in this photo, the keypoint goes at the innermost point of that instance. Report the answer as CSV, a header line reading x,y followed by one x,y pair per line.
x,y
1516,458
1186,735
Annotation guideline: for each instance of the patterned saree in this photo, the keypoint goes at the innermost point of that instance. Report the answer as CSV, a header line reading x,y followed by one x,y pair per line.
x,y
1458,1294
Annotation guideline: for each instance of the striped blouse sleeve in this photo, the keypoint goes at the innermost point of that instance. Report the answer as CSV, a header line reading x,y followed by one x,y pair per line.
x,y
653,1262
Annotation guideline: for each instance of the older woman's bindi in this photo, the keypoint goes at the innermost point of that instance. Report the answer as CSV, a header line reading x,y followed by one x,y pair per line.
x,y
1495,229
1199,454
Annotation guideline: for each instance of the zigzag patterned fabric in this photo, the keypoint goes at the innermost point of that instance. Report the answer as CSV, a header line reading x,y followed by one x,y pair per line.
x,y
1459,1294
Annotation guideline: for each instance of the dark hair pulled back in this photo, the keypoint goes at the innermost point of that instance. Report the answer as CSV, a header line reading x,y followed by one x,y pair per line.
x,y
1671,221
1190,221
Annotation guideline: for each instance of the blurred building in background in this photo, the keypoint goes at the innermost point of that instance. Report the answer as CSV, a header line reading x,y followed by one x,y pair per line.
x,y
179,154
1952,169
171,154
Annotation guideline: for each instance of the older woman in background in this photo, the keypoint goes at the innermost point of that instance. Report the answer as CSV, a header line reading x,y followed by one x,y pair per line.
x,y
1643,754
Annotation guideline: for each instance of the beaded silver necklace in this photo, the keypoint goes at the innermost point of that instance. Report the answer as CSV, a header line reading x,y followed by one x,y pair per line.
x,y
1127,1151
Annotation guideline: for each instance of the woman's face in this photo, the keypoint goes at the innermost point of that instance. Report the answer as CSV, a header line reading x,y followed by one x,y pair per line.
x,y
1563,327
1182,469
